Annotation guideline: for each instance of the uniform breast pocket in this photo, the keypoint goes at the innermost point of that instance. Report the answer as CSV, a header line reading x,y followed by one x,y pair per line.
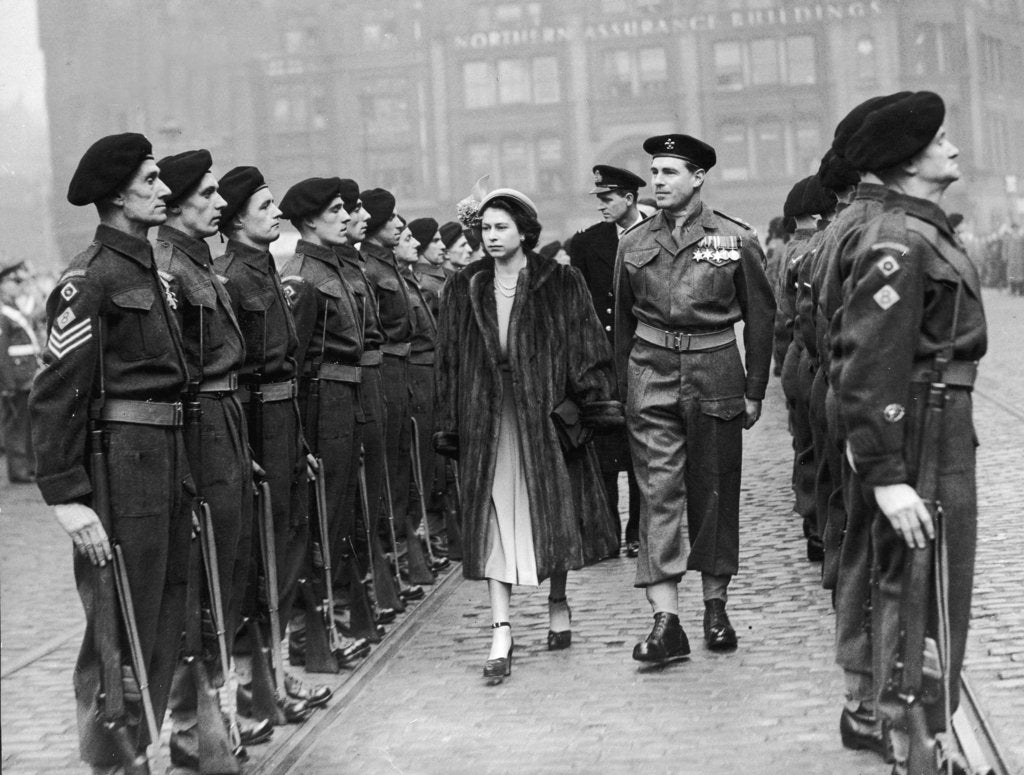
x,y
639,270
136,330
341,305
201,310
253,309
708,281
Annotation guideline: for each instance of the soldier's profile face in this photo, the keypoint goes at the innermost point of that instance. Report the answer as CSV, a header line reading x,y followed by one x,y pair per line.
x,y
200,210
331,223
459,252
939,161
357,224
405,248
674,184
392,232
612,205
142,200
261,220
434,251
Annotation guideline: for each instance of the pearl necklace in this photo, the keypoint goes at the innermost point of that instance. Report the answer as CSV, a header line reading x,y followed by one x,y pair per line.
x,y
503,289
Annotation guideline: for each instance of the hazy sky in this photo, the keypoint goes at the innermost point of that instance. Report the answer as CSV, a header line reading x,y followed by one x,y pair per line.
x,y
21,61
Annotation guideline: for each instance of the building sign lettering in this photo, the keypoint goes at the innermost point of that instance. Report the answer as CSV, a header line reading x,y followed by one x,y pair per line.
x,y
808,13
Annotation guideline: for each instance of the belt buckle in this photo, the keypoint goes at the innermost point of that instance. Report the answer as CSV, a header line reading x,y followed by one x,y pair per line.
x,y
677,342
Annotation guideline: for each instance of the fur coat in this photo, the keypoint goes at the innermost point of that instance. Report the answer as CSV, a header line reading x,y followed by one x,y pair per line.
x,y
556,349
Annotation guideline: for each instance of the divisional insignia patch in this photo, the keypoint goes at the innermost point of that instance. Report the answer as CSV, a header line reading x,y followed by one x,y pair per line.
x,y
71,338
888,266
893,413
66,317
68,292
886,296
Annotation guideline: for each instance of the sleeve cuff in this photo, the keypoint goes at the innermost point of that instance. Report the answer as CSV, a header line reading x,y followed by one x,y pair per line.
x,y
66,487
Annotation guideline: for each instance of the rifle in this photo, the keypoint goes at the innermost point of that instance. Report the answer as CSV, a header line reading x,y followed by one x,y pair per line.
x,y
109,586
417,478
384,585
416,569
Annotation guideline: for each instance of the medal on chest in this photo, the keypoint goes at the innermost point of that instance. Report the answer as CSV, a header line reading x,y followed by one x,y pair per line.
x,y
717,249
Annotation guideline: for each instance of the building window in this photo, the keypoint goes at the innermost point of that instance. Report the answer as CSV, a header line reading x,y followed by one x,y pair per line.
x,y
546,85
770,149
520,162
516,166
764,62
729,65
733,156
550,167
481,157
513,81
394,170
924,54
807,144
629,73
867,63
387,115
479,84
801,65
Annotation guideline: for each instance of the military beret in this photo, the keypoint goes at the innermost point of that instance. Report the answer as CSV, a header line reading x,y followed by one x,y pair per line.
x,y
423,230
183,171
808,197
472,237
309,197
450,233
11,267
896,132
236,186
608,178
551,249
836,173
380,204
108,164
683,147
349,194
511,196
853,120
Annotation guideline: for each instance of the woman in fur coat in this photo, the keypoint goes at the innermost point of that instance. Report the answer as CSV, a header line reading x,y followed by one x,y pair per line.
x,y
517,336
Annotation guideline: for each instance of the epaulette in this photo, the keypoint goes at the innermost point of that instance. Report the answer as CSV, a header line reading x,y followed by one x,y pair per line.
x,y
735,220
82,259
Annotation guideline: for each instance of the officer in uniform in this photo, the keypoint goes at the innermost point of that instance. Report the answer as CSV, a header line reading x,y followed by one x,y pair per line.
x,y
114,356
19,358
214,351
329,327
251,221
383,229
456,247
684,278
592,251
912,316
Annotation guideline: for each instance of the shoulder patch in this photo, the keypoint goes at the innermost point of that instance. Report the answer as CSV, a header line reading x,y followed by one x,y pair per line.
x,y
886,296
734,219
897,247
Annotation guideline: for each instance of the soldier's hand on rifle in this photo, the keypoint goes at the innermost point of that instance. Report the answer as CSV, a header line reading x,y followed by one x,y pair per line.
x,y
753,413
312,467
87,534
906,513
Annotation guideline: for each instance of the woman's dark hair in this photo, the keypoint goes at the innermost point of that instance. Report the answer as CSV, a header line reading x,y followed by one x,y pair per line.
x,y
526,222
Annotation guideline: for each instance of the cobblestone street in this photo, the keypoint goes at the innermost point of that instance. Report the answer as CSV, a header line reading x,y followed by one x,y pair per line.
x,y
419,706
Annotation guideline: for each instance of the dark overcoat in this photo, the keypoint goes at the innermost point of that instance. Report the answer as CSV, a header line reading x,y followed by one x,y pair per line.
x,y
556,349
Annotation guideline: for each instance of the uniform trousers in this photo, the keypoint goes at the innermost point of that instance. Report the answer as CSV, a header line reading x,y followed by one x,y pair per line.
x,y
222,472
421,408
398,435
684,414
957,493
829,481
371,399
16,436
150,500
797,378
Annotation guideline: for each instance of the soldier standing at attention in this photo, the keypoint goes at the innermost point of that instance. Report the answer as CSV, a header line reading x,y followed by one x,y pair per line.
x,y
684,277
251,222
214,351
114,357
592,251
19,358
912,321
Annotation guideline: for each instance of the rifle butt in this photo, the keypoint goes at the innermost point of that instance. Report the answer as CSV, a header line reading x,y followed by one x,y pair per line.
x,y
264,696
361,618
319,657
216,753
383,581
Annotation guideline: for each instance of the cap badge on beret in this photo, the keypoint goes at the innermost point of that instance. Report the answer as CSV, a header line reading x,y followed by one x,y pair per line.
x,y
670,144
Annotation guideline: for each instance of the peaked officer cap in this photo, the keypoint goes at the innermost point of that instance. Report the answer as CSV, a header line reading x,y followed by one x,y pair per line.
x,y
450,233
896,132
349,194
236,186
608,178
107,165
423,230
808,197
380,204
516,198
683,147
183,171
309,197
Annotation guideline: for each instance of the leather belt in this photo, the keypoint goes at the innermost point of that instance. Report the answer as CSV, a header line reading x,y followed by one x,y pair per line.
x,y
422,359
682,342
226,384
338,372
398,350
272,391
372,358
956,373
141,412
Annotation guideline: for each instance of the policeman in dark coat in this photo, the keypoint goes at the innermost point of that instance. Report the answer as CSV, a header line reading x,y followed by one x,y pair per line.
x,y
912,315
19,358
251,221
685,277
111,315
592,251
